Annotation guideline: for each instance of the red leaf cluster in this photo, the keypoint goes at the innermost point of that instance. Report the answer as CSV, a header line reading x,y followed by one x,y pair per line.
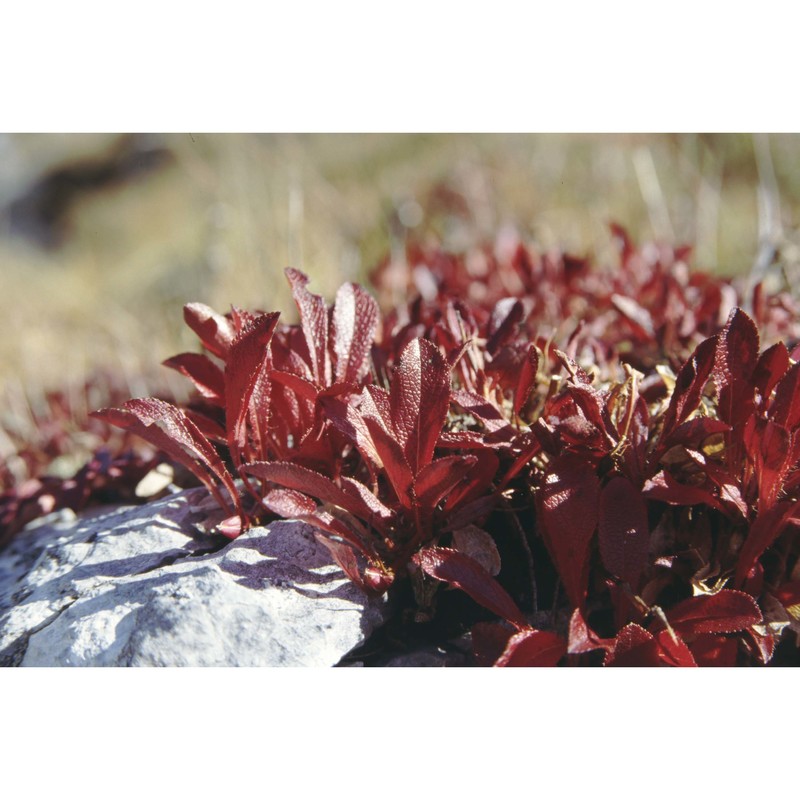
x,y
636,471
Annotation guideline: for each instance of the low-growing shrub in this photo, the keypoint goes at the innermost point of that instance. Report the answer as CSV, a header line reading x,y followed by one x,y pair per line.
x,y
604,460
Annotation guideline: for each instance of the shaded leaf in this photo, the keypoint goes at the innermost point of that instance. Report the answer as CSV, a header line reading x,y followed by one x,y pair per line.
x,y
694,432
582,639
715,650
489,640
487,412
763,532
346,559
207,377
569,513
464,572
302,387
437,479
350,422
532,648
665,488
623,533
476,543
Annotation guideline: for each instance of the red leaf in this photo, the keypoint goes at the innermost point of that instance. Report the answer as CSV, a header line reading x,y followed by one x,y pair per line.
x,y
345,558
528,445
623,532
771,367
348,497
674,651
507,314
715,650
763,644
231,527
736,357
314,322
393,459
335,531
569,513
478,406
693,432
789,596
376,403
582,639
354,321
207,377
665,488
729,493
737,348
170,430
638,316
438,478
689,384
769,446
289,504
622,241
347,419
634,647
302,387
420,399
489,640
247,359
532,648
210,428
727,611
785,409
527,378
214,331
763,532
576,372
464,572
475,482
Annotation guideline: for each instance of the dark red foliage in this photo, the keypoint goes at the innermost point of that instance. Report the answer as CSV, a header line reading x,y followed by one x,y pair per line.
x,y
623,533
53,456
531,430
568,511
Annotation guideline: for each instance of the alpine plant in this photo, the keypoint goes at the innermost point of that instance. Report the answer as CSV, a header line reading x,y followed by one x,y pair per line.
x,y
604,463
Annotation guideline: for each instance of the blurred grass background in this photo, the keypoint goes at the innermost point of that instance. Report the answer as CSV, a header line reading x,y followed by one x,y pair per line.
x,y
219,222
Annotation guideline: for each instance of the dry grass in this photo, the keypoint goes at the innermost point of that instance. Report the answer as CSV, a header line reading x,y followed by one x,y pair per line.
x,y
221,223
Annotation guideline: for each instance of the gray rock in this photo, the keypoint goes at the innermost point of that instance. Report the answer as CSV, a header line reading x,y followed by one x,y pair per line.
x,y
143,586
